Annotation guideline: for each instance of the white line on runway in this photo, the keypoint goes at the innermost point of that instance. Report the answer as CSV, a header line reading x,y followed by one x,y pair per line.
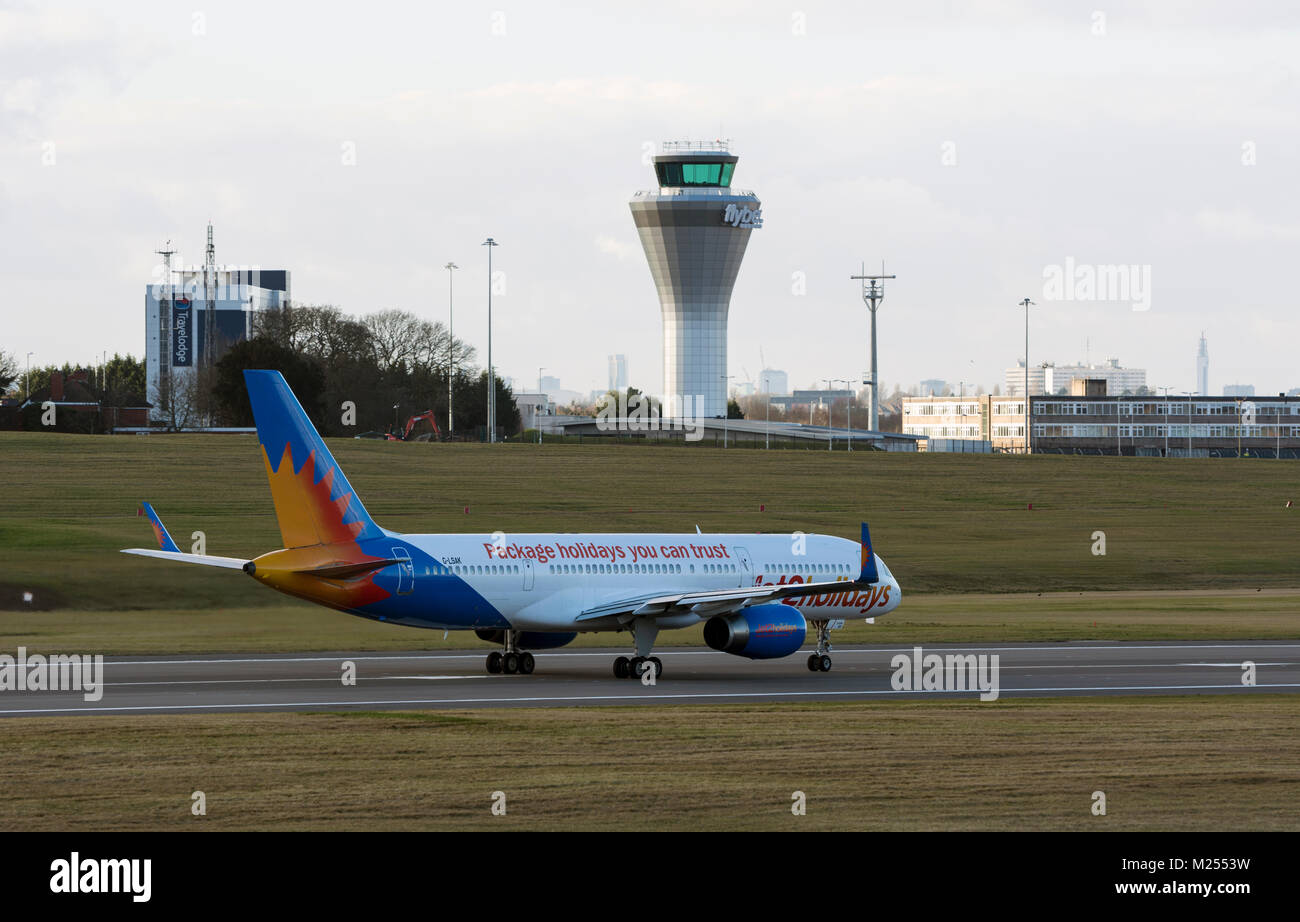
x,y
317,679
1138,665
634,697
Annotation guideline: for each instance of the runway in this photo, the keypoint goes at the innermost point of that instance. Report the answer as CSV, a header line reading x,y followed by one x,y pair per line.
x,y
458,679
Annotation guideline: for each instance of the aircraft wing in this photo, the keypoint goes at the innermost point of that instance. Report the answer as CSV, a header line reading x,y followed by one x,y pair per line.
x,y
720,601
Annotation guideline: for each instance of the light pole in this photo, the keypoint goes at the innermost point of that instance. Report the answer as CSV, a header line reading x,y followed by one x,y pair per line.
x,y
1166,390
767,398
491,372
726,406
961,406
1119,448
28,395
848,424
830,417
451,344
1280,407
1029,438
1238,427
536,424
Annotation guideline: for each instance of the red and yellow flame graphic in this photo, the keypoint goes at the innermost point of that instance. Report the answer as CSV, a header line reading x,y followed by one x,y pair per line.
x,y
307,514
315,535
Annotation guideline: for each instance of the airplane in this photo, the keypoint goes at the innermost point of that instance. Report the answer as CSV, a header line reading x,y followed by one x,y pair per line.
x,y
756,594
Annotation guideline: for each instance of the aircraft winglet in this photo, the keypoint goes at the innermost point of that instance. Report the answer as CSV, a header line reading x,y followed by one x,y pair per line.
x,y
165,541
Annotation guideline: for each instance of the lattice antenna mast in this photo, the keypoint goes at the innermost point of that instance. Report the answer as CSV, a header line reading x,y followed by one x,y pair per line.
x,y
165,317
210,294
873,293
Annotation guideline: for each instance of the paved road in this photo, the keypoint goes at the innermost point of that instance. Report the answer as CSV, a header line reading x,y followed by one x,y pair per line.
x,y
312,681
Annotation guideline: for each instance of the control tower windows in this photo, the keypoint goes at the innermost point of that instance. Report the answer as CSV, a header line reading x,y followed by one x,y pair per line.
x,y
695,173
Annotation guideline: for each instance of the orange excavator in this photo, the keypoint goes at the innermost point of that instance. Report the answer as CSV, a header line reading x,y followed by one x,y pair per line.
x,y
434,436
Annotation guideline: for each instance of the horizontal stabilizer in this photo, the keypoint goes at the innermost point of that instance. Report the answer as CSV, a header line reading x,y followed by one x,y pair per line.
x,y
351,570
230,563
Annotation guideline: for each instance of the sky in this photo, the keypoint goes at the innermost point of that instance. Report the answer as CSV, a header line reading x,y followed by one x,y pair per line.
x,y
983,151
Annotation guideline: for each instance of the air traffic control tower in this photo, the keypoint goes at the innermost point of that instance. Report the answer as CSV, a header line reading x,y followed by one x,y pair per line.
x,y
694,229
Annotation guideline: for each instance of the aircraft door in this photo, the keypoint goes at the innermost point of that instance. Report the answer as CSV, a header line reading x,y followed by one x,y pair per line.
x,y
746,566
405,571
528,575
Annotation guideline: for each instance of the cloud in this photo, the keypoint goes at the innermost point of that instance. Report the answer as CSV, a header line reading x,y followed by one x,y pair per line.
x,y
1243,226
619,249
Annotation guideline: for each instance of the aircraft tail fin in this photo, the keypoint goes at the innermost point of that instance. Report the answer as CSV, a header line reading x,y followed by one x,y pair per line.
x,y
870,573
314,502
165,542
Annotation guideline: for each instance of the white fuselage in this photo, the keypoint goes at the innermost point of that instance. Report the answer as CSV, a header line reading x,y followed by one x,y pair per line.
x,y
543,582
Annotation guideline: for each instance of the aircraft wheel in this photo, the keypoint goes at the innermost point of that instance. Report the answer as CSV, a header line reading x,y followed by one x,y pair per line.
x,y
814,662
494,662
636,666
621,668
526,663
510,663
825,664
659,666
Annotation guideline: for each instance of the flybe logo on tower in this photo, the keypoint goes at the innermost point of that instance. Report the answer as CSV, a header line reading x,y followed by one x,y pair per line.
x,y
741,216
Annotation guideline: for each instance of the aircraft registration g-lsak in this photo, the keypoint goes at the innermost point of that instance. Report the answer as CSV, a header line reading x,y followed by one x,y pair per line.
x,y
757,594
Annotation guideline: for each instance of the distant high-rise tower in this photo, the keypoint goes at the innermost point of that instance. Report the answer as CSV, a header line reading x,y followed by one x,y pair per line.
x,y
618,373
694,229
1203,368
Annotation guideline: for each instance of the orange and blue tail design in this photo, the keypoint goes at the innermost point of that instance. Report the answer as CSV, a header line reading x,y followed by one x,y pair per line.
x,y
321,517
165,542
314,502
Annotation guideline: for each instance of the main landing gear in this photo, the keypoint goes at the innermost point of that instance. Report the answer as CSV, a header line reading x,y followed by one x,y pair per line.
x,y
512,660
644,632
821,660
635,667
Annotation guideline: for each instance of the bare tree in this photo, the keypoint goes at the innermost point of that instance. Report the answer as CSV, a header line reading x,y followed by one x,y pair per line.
x,y
176,400
389,338
9,370
393,338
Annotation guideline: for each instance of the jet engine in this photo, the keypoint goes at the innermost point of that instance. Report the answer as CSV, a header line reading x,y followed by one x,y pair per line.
x,y
761,632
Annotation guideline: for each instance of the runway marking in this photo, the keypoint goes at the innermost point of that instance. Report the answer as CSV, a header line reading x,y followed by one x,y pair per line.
x,y
1042,648
317,679
1139,665
634,697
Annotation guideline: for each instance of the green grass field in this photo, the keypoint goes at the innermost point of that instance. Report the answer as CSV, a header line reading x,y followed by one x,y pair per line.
x,y
1192,763
957,531
1195,549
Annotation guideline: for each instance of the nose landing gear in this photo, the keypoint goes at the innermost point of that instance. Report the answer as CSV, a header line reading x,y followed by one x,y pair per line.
x,y
821,660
